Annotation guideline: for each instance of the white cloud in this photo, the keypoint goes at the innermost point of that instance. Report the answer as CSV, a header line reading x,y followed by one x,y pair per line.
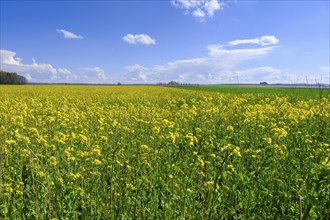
x,y
136,73
7,57
198,13
264,73
228,58
200,70
68,34
217,66
27,76
33,71
263,41
211,7
187,4
94,74
139,39
46,73
199,8
325,75
325,69
66,74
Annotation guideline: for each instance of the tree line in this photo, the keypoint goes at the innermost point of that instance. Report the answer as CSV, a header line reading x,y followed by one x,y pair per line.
x,y
11,78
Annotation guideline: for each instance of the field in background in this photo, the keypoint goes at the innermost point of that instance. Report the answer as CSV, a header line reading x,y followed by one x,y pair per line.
x,y
308,91
139,152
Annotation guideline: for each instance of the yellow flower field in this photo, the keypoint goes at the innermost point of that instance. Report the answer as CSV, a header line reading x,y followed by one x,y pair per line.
x,y
139,152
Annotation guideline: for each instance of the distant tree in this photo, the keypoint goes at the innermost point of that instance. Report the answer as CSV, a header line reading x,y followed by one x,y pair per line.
x,y
263,83
118,83
173,83
11,78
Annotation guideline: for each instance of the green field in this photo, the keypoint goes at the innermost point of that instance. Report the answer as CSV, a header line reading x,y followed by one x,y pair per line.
x,y
240,89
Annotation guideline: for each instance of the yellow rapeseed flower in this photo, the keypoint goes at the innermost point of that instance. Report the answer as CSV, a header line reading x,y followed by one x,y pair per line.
x,y
10,142
27,140
231,167
71,158
96,150
130,186
104,138
280,132
326,162
267,140
96,162
144,147
60,181
53,160
230,128
156,129
201,161
83,138
237,152
41,174
209,183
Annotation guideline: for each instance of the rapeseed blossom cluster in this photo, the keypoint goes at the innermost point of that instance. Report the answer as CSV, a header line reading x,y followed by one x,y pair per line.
x,y
99,152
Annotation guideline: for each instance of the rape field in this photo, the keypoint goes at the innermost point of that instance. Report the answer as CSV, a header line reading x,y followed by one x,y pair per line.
x,y
125,152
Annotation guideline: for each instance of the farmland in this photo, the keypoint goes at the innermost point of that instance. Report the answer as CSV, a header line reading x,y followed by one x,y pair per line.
x,y
290,90
151,152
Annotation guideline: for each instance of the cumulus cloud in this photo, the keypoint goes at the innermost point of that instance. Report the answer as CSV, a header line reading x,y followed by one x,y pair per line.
x,y
217,66
198,13
46,73
27,76
33,71
68,34
137,73
275,75
198,8
263,41
211,6
228,58
252,75
139,39
8,57
66,74
264,73
94,74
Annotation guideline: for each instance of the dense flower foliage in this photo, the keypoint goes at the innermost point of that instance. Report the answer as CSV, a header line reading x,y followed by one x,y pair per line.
x,y
124,152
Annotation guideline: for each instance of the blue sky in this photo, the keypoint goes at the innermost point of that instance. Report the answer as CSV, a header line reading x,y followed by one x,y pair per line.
x,y
189,41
